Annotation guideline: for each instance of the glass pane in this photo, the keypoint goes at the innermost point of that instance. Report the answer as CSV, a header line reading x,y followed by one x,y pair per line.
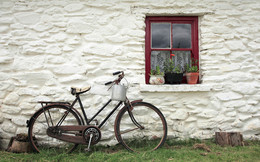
x,y
158,58
161,35
182,58
181,35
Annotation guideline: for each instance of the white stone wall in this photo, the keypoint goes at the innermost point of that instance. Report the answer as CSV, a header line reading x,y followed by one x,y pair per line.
x,y
48,46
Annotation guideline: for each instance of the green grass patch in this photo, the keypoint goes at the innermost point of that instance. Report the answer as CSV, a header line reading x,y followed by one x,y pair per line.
x,y
173,150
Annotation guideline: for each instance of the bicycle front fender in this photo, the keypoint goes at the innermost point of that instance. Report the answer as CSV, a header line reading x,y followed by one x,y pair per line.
x,y
135,101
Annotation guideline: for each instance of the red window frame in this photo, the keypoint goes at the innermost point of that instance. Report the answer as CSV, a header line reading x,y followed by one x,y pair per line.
x,y
193,20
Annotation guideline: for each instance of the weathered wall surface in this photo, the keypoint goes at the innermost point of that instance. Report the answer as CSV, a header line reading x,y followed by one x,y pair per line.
x,y
48,46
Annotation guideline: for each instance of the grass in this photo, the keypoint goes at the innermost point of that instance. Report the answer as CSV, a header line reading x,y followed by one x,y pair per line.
x,y
190,150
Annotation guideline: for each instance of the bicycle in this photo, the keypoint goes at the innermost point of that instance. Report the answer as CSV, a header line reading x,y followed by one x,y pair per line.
x,y
60,127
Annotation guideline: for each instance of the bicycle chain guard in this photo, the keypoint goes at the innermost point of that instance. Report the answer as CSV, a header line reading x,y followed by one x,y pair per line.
x,y
75,134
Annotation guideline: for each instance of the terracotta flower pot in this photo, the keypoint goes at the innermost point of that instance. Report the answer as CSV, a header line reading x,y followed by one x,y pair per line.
x,y
192,78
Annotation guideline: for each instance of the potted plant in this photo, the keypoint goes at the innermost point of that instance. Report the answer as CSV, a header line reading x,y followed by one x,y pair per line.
x,y
173,74
156,76
192,72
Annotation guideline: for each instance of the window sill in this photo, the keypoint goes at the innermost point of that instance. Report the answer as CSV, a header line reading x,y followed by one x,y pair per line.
x,y
176,88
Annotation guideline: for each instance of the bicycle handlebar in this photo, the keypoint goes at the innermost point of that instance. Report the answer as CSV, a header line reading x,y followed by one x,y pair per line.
x,y
120,77
107,83
118,72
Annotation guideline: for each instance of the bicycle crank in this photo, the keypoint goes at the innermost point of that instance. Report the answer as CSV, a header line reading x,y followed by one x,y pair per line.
x,y
92,134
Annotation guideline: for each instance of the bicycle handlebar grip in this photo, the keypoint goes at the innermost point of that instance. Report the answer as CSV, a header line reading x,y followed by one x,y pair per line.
x,y
107,83
118,72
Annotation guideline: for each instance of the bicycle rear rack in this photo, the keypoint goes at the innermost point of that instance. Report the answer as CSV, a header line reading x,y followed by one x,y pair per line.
x,y
45,103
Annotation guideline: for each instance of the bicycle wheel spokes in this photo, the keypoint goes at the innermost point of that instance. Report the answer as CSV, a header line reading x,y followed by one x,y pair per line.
x,y
152,134
49,117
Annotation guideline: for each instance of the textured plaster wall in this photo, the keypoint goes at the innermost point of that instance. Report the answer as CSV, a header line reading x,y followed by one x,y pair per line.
x,y
48,46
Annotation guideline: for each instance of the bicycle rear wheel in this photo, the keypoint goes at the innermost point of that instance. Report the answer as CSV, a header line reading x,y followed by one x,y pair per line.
x,y
47,117
153,134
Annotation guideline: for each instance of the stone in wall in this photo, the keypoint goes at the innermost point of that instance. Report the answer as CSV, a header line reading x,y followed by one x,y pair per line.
x,y
20,121
239,56
22,130
204,124
4,29
6,60
73,78
6,20
29,50
254,45
231,114
27,18
207,114
234,103
74,7
55,59
11,99
42,26
244,117
8,127
25,105
244,88
68,69
228,96
34,78
28,63
79,26
248,109
102,50
53,49
179,115
241,76
8,109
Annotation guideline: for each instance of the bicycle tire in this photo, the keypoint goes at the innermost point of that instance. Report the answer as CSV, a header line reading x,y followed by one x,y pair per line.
x,y
38,126
152,136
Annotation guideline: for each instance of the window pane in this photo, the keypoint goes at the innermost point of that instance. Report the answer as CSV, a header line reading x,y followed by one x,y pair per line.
x,y
181,35
158,58
182,58
161,35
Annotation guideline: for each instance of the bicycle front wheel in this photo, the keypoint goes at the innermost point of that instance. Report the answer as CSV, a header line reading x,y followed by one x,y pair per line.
x,y
50,116
152,133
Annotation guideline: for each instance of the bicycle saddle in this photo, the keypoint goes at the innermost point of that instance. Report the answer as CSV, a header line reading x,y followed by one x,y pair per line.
x,y
75,90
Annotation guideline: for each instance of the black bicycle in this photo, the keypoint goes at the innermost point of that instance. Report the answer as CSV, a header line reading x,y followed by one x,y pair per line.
x,y
59,127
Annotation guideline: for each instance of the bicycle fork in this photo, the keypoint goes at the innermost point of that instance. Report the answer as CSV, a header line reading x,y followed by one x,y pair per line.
x,y
129,108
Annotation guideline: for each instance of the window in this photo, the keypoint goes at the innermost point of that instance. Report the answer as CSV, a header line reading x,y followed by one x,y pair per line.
x,y
170,35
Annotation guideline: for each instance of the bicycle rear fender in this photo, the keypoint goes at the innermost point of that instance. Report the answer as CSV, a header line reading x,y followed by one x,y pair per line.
x,y
28,122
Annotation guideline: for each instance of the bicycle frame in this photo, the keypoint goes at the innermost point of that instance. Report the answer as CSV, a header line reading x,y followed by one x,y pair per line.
x,y
77,99
127,104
